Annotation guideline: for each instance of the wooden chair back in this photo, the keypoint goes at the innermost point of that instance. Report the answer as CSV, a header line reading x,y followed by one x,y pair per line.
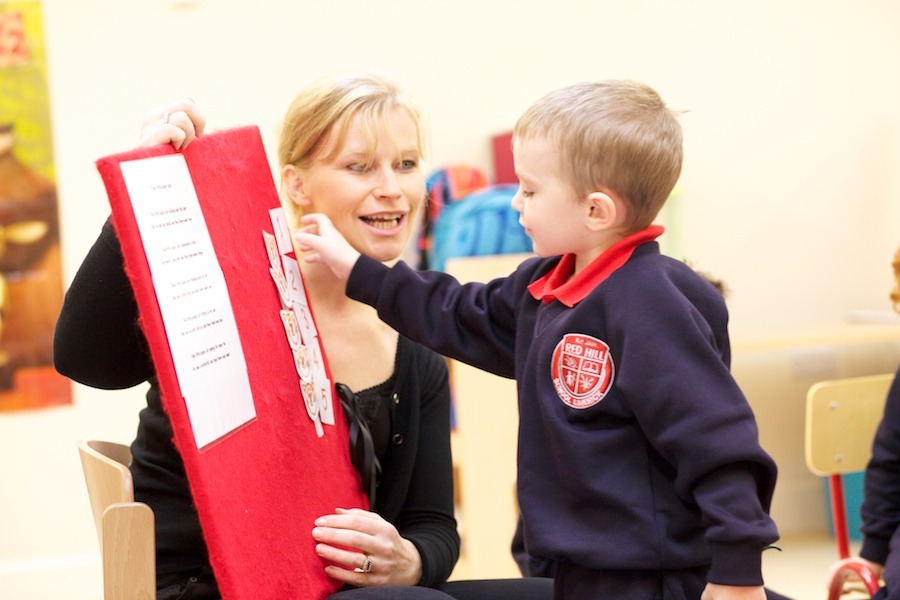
x,y
125,528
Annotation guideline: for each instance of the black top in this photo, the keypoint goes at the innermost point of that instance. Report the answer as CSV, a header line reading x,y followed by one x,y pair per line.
x,y
98,343
376,408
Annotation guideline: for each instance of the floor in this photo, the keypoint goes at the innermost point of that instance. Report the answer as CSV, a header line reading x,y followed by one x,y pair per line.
x,y
800,570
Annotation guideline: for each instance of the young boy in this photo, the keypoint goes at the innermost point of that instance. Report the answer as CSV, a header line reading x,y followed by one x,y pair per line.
x,y
640,474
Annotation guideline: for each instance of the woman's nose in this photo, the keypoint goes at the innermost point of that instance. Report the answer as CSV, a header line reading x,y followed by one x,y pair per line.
x,y
387,185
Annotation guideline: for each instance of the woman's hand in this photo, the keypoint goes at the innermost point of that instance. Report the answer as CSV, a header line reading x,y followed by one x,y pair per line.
x,y
355,540
178,123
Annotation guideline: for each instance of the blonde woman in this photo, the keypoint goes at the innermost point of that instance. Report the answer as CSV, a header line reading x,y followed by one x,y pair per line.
x,y
351,146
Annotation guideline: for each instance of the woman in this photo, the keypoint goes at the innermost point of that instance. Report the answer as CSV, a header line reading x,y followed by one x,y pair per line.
x,y
350,147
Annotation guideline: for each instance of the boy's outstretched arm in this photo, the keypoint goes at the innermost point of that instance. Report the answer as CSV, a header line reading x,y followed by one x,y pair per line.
x,y
323,243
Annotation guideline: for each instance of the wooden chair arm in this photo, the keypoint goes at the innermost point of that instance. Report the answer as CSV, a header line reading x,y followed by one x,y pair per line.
x,y
128,552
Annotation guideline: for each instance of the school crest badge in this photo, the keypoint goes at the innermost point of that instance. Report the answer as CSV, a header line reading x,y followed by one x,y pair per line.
x,y
582,370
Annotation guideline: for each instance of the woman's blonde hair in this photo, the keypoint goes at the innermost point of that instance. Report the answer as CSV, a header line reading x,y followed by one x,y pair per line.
x,y
319,117
614,136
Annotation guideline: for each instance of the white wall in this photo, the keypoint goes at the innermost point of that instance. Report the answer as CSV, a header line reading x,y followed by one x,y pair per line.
x,y
790,190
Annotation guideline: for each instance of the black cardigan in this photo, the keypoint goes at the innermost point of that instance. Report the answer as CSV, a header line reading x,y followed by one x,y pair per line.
x,y
99,343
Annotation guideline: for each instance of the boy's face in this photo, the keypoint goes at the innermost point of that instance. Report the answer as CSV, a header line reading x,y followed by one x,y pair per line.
x,y
550,210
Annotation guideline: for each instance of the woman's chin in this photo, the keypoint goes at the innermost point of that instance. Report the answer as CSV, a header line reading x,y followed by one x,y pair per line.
x,y
384,251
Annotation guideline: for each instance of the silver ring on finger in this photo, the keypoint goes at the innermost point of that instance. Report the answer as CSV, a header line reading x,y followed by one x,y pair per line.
x,y
165,118
366,566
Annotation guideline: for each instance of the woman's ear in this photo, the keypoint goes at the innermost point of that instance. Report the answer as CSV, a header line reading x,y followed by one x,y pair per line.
x,y
293,184
605,211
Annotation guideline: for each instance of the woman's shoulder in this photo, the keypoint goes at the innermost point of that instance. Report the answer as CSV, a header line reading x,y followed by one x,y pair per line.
x,y
414,354
422,373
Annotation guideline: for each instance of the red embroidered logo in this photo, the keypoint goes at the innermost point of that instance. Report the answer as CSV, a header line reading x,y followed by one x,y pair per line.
x,y
582,370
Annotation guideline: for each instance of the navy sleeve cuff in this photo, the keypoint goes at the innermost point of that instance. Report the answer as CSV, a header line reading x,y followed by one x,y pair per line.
x,y
736,565
875,549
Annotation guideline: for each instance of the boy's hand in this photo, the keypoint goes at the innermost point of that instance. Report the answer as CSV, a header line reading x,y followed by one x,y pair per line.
x,y
321,242
715,591
876,568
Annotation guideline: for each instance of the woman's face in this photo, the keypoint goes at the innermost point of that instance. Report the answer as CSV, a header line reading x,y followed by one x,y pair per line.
x,y
373,204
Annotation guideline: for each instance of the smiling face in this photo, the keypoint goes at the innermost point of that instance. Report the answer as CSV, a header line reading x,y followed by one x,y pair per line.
x,y
370,187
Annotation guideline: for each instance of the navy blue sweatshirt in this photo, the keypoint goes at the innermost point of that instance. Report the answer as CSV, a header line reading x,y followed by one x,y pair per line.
x,y
881,504
637,449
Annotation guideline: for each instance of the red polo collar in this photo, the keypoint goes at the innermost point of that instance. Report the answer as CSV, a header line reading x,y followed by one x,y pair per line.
x,y
559,284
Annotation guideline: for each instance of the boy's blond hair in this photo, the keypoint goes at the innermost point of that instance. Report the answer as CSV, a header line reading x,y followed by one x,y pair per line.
x,y
614,136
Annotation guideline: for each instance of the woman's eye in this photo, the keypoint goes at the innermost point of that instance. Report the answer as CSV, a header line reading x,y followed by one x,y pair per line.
x,y
357,167
408,165
526,193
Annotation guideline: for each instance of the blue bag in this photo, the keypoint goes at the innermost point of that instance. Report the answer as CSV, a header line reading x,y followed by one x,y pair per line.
x,y
481,223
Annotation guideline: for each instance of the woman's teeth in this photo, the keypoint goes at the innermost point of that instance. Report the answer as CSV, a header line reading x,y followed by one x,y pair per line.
x,y
383,221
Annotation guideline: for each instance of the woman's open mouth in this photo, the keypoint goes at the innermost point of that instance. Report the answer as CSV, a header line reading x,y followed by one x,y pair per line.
x,y
385,221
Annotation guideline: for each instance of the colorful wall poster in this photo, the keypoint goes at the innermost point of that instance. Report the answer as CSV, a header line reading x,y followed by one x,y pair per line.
x,y
30,267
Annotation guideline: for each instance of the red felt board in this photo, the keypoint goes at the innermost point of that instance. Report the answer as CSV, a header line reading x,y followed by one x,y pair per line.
x,y
258,489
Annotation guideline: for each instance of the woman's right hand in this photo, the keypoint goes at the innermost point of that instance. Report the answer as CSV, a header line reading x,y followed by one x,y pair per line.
x,y
178,123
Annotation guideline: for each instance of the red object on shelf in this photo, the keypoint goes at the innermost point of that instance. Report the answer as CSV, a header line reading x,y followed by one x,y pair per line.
x,y
504,169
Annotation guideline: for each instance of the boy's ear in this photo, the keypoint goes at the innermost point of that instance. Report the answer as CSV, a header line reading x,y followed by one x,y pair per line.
x,y
292,182
605,211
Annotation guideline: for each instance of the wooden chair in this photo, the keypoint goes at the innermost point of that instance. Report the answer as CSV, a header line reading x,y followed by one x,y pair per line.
x,y
842,416
125,528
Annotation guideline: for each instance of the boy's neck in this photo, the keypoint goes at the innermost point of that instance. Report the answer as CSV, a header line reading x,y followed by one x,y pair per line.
x,y
605,241
570,286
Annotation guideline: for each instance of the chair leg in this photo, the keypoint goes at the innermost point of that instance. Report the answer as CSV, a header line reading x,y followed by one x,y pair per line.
x,y
839,515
